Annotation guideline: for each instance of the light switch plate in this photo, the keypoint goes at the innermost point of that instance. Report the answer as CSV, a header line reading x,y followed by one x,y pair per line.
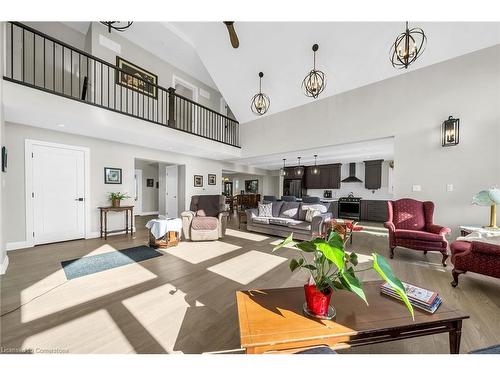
x,y
449,187
417,188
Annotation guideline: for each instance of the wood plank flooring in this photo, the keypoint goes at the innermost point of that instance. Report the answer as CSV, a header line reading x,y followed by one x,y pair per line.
x,y
184,301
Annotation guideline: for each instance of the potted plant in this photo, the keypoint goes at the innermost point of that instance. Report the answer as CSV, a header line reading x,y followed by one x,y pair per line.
x,y
332,268
115,198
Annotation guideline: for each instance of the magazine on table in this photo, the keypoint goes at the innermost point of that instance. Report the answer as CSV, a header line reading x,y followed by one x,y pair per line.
x,y
419,297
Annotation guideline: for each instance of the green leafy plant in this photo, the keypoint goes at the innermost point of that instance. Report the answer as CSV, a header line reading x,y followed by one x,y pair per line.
x,y
332,268
117,196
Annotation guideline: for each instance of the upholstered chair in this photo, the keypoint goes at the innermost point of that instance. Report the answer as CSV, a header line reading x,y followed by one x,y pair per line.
x,y
478,257
270,198
410,225
288,198
207,218
311,200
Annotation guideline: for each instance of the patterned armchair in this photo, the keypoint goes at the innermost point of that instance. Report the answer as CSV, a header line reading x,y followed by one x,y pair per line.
x,y
410,225
478,257
207,218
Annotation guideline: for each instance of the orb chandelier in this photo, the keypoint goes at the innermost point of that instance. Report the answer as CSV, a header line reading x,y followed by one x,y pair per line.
x,y
315,169
283,171
407,47
117,25
314,83
260,101
299,170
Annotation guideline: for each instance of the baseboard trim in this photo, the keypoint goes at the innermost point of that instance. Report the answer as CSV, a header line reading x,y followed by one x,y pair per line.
x,y
16,245
148,213
98,234
5,264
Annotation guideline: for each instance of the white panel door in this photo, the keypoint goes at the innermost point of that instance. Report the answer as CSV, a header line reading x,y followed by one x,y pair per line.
x,y
138,192
58,193
172,201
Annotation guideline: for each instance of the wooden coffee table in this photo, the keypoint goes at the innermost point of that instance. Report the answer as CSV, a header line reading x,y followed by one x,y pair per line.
x,y
272,321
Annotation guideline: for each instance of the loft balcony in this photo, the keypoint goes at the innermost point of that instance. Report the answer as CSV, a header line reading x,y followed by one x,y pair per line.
x,y
41,62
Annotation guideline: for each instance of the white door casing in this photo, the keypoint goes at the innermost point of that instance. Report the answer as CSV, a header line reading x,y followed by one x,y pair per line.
x,y
57,192
138,192
172,205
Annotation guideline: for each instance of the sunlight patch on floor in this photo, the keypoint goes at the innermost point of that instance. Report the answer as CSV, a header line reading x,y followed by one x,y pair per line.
x,y
245,235
198,252
80,290
373,228
83,335
100,250
161,311
247,267
277,242
377,234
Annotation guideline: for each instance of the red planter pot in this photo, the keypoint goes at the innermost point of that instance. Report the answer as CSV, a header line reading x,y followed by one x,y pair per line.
x,y
317,302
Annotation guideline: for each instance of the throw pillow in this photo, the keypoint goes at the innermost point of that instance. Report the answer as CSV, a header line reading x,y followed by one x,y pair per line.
x,y
311,213
201,213
265,210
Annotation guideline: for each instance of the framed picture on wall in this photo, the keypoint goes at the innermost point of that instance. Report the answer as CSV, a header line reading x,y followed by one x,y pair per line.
x,y
150,182
112,175
251,186
198,180
212,179
136,78
4,159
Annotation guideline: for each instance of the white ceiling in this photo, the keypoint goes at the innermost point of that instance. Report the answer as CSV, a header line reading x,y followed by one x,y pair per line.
x,y
382,148
164,41
352,54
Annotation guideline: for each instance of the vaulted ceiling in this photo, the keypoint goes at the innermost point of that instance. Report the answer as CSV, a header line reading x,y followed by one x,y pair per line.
x,y
352,54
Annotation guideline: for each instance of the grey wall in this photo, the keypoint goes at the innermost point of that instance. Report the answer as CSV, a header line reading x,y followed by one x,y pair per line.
x,y
149,194
410,107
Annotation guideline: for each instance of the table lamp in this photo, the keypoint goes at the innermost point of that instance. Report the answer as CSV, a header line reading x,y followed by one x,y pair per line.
x,y
490,197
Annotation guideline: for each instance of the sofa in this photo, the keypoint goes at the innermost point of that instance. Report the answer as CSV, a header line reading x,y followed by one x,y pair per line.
x,y
410,224
475,256
206,219
289,217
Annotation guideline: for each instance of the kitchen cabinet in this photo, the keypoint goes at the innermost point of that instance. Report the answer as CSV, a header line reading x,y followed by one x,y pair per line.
x,y
373,210
328,178
373,174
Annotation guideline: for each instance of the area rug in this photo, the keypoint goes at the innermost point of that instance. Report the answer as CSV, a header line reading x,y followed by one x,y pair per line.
x,y
490,350
97,263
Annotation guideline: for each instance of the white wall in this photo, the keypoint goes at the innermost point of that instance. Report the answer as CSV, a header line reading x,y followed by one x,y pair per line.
x,y
358,188
102,154
410,107
149,194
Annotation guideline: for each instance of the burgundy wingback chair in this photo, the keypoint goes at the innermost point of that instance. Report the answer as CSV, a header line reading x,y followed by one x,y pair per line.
x,y
410,225
478,257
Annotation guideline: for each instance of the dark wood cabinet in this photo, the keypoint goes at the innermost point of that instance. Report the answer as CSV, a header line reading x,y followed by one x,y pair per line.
x,y
334,209
373,210
328,178
373,174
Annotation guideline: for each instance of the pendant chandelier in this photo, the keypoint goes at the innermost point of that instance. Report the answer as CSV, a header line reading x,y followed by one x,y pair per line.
x,y
283,171
315,169
314,83
407,47
260,101
117,25
299,170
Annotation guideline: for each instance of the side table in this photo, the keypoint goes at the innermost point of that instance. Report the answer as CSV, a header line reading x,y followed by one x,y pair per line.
x,y
242,218
104,219
468,229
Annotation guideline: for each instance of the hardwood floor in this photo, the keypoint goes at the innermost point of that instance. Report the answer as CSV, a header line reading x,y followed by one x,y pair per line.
x,y
184,301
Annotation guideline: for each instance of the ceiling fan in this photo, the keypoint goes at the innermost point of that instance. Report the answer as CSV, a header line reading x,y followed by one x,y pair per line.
x,y
232,34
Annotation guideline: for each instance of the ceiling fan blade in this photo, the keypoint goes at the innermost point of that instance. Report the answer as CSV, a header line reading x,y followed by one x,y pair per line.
x,y
232,34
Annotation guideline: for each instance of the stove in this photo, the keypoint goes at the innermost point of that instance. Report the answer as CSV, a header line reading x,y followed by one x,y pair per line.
x,y
349,207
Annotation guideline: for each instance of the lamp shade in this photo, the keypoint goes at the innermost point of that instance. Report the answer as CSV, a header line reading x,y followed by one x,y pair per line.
x,y
487,197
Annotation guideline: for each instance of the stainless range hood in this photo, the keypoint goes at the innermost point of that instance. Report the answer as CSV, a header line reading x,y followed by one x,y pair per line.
x,y
352,174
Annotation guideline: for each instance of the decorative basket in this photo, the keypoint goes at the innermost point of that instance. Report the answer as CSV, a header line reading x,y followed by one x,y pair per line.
x,y
168,240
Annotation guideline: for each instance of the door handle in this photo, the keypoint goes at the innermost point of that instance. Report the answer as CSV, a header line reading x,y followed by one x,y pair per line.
x,y
79,199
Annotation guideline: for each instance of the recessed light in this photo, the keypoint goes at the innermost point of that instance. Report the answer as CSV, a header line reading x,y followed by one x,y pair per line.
x,y
61,125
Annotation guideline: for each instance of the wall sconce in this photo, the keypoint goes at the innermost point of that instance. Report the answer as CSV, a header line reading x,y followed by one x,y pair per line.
x,y
450,132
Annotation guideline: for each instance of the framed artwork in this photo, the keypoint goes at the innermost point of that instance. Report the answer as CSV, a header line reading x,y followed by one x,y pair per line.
x,y
157,184
112,175
198,180
251,186
212,179
131,81
4,159
150,182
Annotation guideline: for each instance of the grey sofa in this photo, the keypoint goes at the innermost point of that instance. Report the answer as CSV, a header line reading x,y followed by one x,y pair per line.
x,y
206,220
289,217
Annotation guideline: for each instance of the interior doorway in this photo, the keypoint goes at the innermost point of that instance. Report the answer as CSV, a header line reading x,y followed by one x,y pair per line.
x,y
138,191
186,117
146,187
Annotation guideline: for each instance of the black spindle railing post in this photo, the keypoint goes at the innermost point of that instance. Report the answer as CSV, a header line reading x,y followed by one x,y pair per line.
x,y
171,107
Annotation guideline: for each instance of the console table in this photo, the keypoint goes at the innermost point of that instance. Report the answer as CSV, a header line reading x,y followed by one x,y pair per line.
x,y
272,321
104,219
468,229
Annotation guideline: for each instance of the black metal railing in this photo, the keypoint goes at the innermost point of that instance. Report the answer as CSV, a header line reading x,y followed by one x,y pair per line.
x,y
37,60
